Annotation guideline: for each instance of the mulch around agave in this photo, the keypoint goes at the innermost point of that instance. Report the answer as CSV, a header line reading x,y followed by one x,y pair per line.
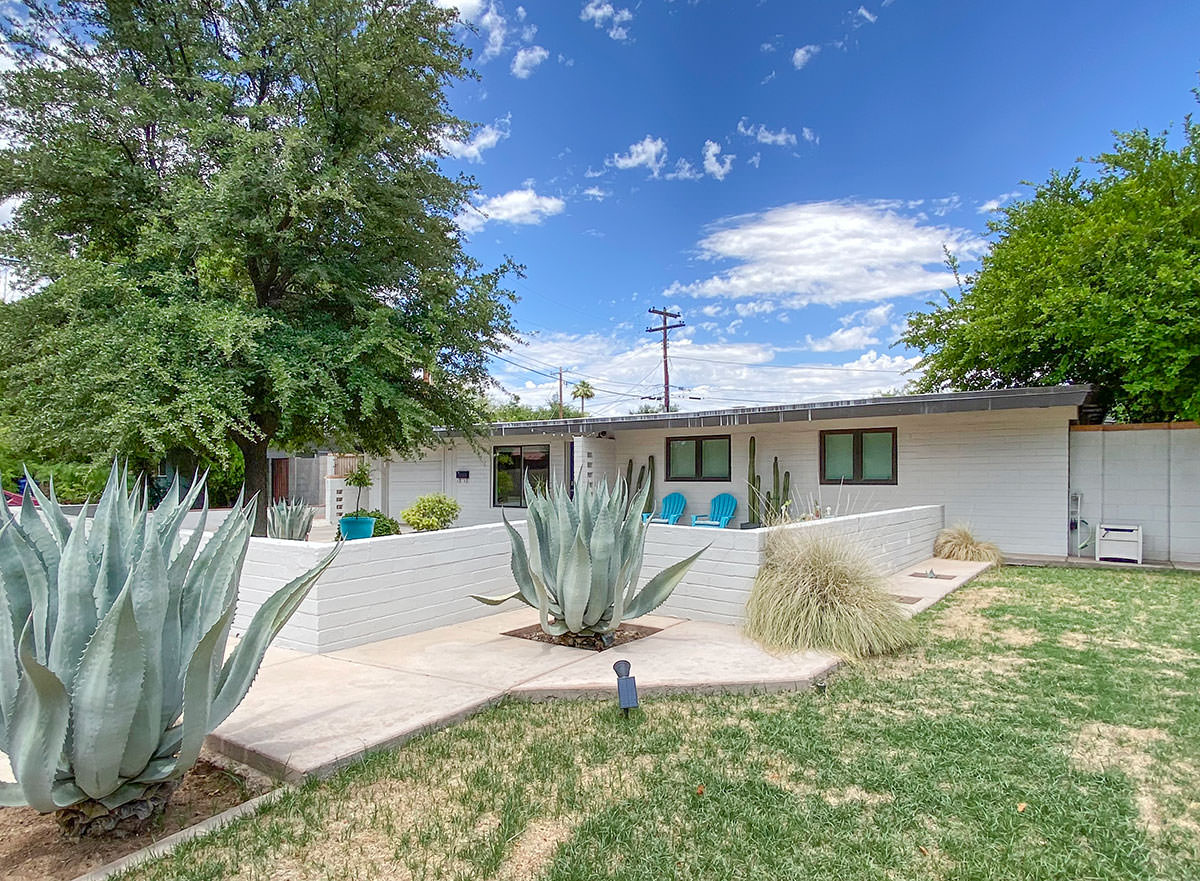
x,y
33,847
624,634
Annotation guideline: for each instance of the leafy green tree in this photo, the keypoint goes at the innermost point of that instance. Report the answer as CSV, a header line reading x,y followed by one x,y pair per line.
x,y
514,410
236,228
584,392
1090,280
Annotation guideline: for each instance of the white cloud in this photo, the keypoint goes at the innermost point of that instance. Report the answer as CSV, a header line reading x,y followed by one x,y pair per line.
x,y
7,207
993,204
523,206
604,15
520,13
485,138
526,60
766,47
866,14
809,135
754,160
767,78
468,10
649,152
492,25
684,170
828,252
718,168
721,373
762,134
596,193
804,54
845,339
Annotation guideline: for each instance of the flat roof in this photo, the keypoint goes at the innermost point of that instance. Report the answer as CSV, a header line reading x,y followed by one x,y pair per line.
x,y
897,405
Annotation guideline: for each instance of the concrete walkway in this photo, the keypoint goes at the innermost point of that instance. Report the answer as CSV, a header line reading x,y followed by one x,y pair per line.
x,y
309,714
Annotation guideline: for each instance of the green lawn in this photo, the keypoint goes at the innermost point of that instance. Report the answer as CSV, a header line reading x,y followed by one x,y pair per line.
x,y
1048,727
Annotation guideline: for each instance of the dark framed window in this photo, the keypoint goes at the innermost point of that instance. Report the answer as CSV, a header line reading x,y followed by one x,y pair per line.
x,y
698,458
512,466
864,456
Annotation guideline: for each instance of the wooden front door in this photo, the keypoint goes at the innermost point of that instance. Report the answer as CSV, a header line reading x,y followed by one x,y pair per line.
x,y
279,479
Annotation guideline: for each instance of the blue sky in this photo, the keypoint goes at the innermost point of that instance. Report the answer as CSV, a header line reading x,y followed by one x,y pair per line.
x,y
785,174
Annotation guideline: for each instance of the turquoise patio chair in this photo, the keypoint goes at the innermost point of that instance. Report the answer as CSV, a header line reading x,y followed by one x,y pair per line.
x,y
672,510
719,515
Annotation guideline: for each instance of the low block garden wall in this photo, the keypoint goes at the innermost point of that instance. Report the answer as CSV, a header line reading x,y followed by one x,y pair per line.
x,y
717,586
378,588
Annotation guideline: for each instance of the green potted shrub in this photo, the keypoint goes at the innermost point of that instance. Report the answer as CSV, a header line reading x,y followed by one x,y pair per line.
x,y
431,512
355,525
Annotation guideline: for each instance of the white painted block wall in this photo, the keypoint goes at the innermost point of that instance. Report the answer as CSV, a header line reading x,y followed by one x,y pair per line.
x,y
718,584
1004,472
1144,476
378,588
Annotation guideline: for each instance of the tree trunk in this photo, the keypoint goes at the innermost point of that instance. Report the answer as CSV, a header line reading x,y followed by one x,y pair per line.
x,y
254,455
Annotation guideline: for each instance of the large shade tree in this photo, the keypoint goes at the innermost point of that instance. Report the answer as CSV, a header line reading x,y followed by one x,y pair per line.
x,y
1093,279
234,221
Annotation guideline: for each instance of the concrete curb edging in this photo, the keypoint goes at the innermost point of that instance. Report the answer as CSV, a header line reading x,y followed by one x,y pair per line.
x,y
168,844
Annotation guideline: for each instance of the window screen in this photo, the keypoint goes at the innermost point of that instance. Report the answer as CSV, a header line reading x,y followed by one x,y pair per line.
x,y
698,458
865,456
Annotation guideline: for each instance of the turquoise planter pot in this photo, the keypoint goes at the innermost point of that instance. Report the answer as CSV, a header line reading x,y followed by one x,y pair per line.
x,y
356,527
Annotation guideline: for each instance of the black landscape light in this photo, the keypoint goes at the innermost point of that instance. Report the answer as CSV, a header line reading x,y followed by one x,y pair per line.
x,y
626,687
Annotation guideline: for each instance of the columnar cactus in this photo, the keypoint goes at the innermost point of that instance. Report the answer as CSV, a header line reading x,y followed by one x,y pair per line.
x,y
648,505
112,648
752,485
772,507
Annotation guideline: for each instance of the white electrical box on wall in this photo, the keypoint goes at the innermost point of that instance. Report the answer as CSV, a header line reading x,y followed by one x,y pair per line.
x,y
1119,543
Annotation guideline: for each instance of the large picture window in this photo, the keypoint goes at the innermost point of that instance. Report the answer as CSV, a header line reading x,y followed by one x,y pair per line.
x,y
698,458
512,466
859,456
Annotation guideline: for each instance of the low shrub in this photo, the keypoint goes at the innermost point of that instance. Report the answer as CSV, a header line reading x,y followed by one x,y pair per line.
x,y
823,592
434,511
384,525
957,543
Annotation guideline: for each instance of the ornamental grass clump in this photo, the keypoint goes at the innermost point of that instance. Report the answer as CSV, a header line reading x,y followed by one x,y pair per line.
x,y
113,633
821,591
957,543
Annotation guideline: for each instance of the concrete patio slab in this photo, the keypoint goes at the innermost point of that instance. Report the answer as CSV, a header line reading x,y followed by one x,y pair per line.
x,y
310,714
692,656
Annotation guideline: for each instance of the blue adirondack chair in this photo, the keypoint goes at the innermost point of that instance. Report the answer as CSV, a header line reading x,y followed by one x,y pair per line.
x,y
672,510
719,515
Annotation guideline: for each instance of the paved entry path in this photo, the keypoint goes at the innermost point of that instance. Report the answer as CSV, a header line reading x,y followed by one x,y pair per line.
x,y
309,714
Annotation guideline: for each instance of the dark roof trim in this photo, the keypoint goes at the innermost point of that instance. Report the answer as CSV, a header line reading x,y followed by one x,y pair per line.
x,y
901,405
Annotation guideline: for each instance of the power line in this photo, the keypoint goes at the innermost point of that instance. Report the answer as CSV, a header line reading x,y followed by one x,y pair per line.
x,y
837,367
554,376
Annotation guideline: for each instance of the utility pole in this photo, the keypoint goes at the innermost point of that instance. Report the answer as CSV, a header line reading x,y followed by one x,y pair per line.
x,y
560,390
663,328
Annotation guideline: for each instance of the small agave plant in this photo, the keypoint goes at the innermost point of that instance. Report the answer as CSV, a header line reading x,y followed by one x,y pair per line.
x,y
112,649
290,519
581,567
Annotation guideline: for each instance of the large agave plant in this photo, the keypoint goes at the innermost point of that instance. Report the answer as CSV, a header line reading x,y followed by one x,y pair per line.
x,y
289,518
112,649
581,567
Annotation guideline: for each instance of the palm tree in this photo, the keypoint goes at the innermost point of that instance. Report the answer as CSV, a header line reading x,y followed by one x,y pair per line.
x,y
584,391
